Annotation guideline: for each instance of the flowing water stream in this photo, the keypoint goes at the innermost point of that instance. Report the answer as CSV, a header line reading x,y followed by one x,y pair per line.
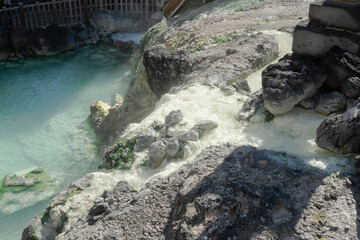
x,y
44,109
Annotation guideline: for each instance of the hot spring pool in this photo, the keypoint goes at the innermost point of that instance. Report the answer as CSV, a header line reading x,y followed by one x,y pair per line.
x,y
44,109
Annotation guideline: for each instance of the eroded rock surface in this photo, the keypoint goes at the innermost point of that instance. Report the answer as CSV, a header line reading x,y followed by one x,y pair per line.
x,y
340,134
229,193
290,81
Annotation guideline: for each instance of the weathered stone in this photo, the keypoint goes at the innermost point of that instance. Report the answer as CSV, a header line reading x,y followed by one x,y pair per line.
x,y
228,90
83,35
251,105
242,85
206,125
290,81
340,65
336,14
99,111
172,147
165,68
351,87
310,103
314,41
331,102
145,139
190,135
340,134
12,180
157,152
174,117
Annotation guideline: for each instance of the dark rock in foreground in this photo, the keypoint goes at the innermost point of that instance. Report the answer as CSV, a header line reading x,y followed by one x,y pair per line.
x,y
229,193
290,81
341,134
340,65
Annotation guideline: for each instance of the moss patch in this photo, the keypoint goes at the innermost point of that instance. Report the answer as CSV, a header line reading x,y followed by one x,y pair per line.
x,y
121,155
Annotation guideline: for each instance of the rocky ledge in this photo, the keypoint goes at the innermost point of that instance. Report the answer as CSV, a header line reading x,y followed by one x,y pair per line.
x,y
228,192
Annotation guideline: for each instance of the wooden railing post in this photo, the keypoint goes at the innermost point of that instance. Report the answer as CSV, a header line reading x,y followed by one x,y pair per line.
x,y
38,14
147,11
22,14
6,17
54,12
86,13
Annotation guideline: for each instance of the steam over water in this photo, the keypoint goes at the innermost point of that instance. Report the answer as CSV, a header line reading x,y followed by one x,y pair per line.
x,y
44,109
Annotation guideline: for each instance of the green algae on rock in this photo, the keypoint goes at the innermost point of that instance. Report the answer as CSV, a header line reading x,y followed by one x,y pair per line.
x,y
33,185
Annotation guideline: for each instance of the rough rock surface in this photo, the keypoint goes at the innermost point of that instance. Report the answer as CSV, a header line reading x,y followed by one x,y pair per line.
x,y
165,68
340,134
229,193
340,66
251,105
331,102
290,81
173,118
351,87
99,111
157,153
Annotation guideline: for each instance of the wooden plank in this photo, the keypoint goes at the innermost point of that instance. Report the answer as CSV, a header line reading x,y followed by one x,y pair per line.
x,y
38,14
6,17
70,11
28,17
43,6
60,12
11,23
86,13
80,11
49,12
33,16
76,14
22,15
1,16
16,16
65,13
55,20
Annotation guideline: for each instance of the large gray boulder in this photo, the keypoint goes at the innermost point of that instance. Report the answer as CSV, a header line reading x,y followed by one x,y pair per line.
x,y
145,139
340,65
166,68
340,134
289,81
173,118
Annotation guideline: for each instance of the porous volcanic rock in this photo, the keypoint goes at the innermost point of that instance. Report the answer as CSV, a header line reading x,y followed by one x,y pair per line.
x,y
340,134
340,65
290,81
229,193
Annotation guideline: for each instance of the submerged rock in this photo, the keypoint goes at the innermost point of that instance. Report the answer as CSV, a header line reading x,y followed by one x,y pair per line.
x,y
340,134
290,81
206,125
190,135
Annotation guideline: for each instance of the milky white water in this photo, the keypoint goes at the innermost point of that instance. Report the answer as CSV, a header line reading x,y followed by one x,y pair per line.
x,y
44,108
293,133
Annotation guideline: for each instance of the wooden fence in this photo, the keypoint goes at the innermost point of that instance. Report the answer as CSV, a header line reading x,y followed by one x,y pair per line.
x,y
71,12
